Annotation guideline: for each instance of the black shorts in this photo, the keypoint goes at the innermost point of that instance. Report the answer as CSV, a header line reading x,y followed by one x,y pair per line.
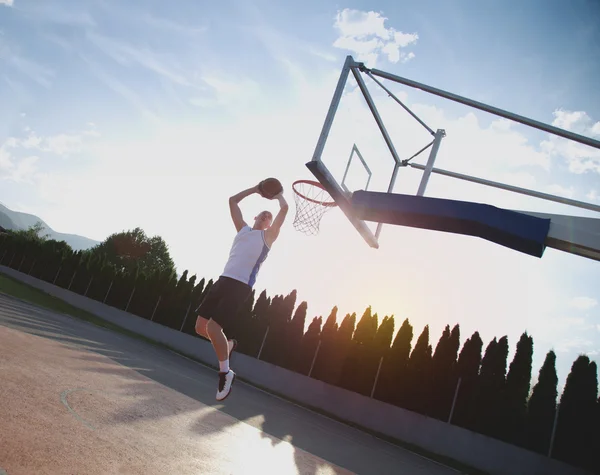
x,y
223,301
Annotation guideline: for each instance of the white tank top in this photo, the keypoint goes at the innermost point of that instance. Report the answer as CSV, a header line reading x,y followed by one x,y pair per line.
x,y
248,252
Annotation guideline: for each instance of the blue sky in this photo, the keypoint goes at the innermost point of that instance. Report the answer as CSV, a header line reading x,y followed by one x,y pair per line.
x,y
154,115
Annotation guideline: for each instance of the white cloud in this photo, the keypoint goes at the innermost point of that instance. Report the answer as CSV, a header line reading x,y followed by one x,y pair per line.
x,y
6,162
36,72
126,54
561,190
20,170
583,303
8,3
63,144
580,158
12,60
575,344
593,196
18,165
25,170
47,12
226,92
365,34
172,26
115,85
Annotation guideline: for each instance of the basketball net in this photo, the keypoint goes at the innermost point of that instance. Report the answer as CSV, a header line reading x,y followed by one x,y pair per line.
x,y
312,202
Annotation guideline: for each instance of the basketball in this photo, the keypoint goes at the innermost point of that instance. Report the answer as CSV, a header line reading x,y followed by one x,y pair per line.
x,y
269,188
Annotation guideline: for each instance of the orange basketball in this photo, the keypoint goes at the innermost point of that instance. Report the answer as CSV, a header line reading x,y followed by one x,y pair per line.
x,y
270,187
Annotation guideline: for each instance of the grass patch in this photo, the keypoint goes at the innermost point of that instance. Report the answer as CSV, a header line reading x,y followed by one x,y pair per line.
x,y
25,292
38,297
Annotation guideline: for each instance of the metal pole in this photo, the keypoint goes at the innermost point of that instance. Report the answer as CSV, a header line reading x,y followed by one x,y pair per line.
x,y
130,297
553,431
11,259
2,260
186,315
88,287
21,263
56,276
487,108
108,291
391,94
263,344
376,377
314,359
440,133
371,104
155,307
515,189
454,401
390,190
31,268
335,101
72,279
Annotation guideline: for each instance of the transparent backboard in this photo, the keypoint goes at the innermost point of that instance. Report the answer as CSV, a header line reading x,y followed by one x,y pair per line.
x,y
366,139
355,152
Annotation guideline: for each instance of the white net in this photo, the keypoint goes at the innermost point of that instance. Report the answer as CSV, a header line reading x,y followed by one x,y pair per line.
x,y
312,202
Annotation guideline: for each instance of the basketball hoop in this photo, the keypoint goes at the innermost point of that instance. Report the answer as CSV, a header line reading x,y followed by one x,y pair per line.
x,y
310,199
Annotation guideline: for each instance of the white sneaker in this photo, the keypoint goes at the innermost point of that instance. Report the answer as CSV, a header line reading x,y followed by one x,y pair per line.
x,y
225,382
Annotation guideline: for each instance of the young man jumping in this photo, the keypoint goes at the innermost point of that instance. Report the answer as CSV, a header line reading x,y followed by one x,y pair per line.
x,y
250,248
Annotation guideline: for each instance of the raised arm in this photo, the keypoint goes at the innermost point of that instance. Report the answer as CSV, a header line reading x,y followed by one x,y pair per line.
x,y
236,212
273,232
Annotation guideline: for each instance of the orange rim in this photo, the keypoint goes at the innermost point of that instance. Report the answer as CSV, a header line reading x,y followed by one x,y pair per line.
x,y
316,184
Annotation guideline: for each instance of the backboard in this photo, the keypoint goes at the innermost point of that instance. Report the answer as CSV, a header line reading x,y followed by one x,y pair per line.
x,y
357,162
355,150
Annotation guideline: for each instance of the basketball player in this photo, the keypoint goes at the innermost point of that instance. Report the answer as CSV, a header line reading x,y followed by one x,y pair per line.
x,y
250,248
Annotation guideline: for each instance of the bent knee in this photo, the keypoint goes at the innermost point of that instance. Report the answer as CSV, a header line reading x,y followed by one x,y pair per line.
x,y
201,325
212,326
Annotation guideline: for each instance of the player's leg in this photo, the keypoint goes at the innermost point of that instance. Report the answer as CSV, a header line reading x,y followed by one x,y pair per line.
x,y
200,328
226,375
223,321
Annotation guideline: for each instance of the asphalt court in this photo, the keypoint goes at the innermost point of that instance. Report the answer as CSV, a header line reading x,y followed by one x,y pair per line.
x,y
77,398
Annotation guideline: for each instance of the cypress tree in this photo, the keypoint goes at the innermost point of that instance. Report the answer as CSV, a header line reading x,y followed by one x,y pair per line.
x,y
467,369
393,370
541,407
277,323
596,466
575,425
383,336
352,377
241,326
261,308
308,346
418,372
364,329
443,373
373,353
490,401
342,347
258,324
290,349
518,381
327,348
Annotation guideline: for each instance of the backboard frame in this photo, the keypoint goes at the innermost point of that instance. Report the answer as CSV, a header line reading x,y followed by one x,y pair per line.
x,y
322,173
586,242
356,151
339,192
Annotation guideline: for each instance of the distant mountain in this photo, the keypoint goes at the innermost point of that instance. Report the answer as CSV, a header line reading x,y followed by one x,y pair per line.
x,y
15,220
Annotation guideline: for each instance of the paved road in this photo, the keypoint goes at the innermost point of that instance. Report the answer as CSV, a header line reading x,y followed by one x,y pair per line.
x,y
251,432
